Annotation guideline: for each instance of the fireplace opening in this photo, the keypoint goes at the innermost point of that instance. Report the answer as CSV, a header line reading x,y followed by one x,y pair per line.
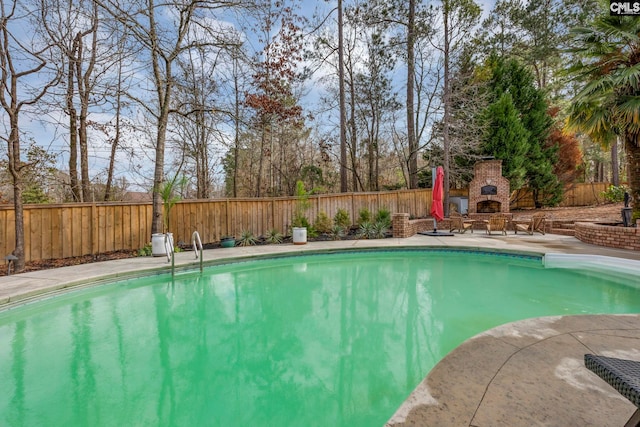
x,y
489,206
489,190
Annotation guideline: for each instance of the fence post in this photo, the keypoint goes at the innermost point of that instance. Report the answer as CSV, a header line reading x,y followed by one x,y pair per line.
x,y
94,230
227,225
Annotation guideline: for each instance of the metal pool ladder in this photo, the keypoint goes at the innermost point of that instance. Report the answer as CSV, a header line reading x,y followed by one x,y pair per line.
x,y
168,247
197,249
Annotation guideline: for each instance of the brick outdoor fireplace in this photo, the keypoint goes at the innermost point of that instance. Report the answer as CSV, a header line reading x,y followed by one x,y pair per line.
x,y
488,191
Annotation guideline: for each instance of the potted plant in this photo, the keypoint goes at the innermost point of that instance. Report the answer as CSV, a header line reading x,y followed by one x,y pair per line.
x,y
227,241
300,223
169,199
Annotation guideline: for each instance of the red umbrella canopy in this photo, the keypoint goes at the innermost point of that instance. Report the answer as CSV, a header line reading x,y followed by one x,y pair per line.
x,y
437,210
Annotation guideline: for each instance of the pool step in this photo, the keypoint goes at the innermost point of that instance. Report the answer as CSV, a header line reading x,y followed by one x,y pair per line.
x,y
563,227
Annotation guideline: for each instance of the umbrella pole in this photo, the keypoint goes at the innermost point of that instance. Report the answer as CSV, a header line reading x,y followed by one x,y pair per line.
x,y
435,227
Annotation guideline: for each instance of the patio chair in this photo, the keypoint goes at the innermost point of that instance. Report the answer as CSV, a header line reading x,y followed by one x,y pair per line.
x,y
457,223
497,223
621,374
537,223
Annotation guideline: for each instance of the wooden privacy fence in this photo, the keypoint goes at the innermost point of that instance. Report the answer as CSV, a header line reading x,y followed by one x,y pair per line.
x,y
69,230
76,229
575,195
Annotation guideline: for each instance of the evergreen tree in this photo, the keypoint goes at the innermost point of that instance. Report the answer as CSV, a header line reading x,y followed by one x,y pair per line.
x,y
507,139
541,179
530,102
509,76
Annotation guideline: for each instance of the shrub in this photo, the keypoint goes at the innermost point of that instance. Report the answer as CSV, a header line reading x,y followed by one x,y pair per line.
x,y
247,239
365,230
146,250
301,222
364,215
383,216
274,236
615,194
337,232
301,207
379,230
342,219
312,232
323,223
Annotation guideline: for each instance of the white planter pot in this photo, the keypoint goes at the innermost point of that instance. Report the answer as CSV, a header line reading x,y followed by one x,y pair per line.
x,y
299,235
157,244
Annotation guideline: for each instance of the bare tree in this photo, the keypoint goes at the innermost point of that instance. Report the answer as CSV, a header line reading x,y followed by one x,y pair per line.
x,y
73,26
458,18
120,88
21,61
341,103
196,127
410,101
344,84
85,80
375,101
235,78
274,79
163,30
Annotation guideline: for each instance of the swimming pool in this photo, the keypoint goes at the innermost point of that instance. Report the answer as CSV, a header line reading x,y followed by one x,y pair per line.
x,y
333,339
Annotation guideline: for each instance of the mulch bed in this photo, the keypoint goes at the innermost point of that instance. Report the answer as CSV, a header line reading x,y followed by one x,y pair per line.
x,y
63,262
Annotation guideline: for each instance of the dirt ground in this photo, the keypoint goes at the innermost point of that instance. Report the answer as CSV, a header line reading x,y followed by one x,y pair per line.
x,y
599,213
610,212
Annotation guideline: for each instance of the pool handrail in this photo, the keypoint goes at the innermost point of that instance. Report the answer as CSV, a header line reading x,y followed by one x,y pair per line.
x,y
197,247
168,246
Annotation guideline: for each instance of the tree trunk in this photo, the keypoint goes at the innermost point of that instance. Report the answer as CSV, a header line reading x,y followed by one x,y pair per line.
x,y
370,162
16,174
114,148
632,149
164,98
411,132
615,164
158,174
73,133
260,162
343,113
357,184
236,124
446,144
116,138
83,94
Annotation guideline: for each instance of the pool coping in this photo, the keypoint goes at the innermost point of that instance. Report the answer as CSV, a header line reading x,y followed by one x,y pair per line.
x,y
526,373
440,398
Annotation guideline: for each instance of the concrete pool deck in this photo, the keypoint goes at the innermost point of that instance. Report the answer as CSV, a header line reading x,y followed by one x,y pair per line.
x,y
525,373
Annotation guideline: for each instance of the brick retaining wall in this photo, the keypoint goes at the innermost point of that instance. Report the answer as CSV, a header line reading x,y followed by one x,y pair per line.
x,y
404,227
595,234
608,235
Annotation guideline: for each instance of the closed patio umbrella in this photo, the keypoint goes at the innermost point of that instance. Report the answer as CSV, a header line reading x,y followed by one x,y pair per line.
x,y
437,209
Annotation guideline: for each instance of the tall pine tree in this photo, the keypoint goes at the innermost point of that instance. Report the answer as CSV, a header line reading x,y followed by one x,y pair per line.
x,y
507,139
511,77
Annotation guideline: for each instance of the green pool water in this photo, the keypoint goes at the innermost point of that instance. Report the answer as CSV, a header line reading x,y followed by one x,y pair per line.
x,y
319,340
